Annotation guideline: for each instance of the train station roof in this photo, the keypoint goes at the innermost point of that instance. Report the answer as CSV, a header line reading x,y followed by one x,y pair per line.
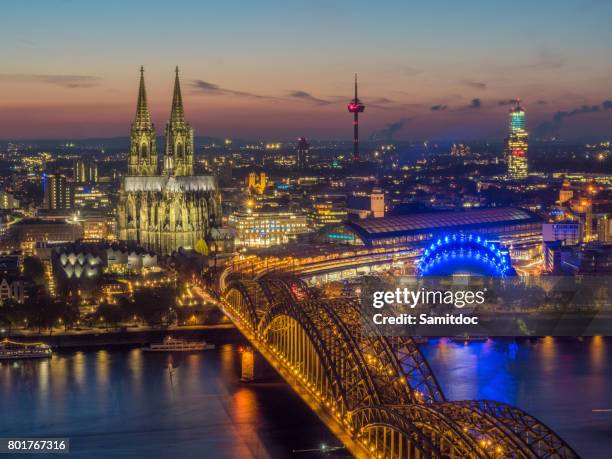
x,y
472,219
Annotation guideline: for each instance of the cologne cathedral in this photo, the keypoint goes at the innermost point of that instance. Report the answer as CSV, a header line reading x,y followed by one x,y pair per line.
x,y
162,205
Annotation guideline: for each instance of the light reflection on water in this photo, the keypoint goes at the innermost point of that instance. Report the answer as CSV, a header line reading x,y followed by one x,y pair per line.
x,y
126,403
558,380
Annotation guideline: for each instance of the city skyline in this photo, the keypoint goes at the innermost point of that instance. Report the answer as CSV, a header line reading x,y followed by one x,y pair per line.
x,y
422,75
318,228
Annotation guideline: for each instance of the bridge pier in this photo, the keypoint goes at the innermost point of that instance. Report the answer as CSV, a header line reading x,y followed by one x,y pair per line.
x,y
247,364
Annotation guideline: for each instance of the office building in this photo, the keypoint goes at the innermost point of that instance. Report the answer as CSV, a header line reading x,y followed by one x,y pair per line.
x,y
85,171
302,153
267,228
326,213
516,144
567,232
58,192
367,205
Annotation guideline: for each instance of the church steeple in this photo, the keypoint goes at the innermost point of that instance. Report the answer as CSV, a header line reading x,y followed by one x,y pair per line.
x,y
177,114
143,117
143,146
178,155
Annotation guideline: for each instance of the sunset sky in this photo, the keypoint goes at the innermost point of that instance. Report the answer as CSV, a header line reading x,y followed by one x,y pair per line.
x,y
279,69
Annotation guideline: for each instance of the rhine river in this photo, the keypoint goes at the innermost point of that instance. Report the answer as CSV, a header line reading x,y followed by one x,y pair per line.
x,y
126,403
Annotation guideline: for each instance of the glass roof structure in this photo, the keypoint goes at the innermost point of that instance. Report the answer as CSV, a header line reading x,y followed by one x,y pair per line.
x,y
472,219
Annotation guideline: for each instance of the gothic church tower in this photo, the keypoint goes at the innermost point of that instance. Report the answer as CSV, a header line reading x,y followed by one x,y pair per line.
x,y
168,209
143,146
178,154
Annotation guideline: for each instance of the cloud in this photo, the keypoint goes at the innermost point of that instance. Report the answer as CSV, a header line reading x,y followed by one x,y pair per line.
x,y
503,103
385,103
389,130
207,87
552,127
303,95
475,104
438,108
382,100
474,84
214,89
65,81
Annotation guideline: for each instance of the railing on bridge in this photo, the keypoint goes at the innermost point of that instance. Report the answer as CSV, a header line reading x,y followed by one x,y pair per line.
x,y
376,393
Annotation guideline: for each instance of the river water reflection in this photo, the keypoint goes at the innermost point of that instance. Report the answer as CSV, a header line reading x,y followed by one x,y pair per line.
x,y
126,403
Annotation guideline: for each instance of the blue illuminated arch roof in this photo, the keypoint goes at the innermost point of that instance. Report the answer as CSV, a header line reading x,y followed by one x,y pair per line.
x,y
459,252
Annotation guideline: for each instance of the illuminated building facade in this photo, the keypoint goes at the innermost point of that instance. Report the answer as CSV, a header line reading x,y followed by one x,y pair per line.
x,y
302,153
516,144
59,193
85,171
98,227
8,201
30,232
172,208
568,232
256,183
517,229
86,197
11,290
565,193
604,229
326,213
370,205
264,229
585,208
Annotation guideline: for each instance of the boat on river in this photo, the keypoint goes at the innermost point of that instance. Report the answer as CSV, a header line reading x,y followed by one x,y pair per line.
x,y
170,344
12,350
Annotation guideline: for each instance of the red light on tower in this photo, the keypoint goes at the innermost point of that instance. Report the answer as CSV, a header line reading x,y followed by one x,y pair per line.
x,y
355,107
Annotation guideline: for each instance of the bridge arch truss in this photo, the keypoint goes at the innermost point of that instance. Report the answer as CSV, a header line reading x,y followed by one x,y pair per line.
x,y
376,393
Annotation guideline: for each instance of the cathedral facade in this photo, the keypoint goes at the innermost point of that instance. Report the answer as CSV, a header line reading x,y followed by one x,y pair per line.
x,y
162,205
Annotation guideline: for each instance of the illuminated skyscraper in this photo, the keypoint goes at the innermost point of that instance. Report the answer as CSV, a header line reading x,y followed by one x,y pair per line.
x,y
59,193
516,143
302,153
356,107
85,171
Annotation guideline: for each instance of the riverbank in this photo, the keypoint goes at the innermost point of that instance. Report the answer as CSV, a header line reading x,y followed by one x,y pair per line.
x,y
129,337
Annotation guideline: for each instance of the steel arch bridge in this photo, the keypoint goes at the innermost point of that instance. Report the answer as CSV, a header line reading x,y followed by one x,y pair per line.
x,y
377,394
456,250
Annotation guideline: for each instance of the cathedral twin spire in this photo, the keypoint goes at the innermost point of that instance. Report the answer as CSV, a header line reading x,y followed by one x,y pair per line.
x,y
177,114
143,117
178,152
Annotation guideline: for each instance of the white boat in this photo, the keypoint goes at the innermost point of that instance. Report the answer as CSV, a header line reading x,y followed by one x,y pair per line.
x,y
10,350
171,344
